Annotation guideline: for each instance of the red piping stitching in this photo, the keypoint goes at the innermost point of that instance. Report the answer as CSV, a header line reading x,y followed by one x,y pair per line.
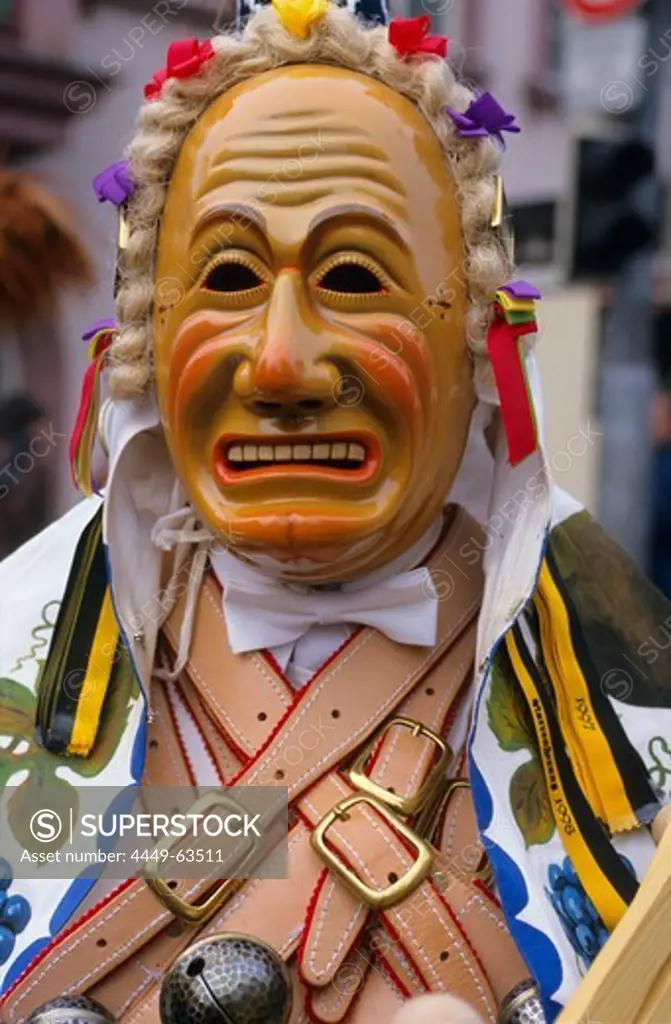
x,y
396,938
458,924
196,724
392,975
309,915
486,892
180,738
299,698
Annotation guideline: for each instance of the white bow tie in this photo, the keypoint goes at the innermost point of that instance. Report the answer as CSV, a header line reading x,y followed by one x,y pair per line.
x,y
261,612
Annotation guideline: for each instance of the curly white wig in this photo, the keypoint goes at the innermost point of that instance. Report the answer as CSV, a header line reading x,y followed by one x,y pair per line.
x,y
339,40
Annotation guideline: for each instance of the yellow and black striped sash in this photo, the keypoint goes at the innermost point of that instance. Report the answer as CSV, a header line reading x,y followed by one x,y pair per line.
x,y
604,876
609,769
84,650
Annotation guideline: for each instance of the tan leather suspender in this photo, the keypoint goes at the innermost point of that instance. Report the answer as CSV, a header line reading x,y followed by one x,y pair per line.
x,y
362,889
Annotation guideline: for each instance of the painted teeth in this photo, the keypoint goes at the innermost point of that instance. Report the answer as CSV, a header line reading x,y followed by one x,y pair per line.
x,y
338,452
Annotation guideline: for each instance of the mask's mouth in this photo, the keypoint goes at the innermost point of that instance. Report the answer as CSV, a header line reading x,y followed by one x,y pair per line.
x,y
347,456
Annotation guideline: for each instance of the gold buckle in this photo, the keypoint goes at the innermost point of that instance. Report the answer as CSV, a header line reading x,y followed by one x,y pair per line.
x,y
405,805
197,913
427,821
377,899
193,913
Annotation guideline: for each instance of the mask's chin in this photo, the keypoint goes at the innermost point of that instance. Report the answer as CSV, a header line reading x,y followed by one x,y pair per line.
x,y
368,559
309,562
360,549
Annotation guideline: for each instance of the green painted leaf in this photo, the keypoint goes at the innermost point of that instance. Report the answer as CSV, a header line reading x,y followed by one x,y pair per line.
x,y
530,803
29,797
17,710
17,720
507,713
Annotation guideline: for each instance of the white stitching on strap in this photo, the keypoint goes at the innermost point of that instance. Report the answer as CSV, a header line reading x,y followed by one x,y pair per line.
x,y
406,861
480,901
230,724
234,904
87,934
256,659
344,940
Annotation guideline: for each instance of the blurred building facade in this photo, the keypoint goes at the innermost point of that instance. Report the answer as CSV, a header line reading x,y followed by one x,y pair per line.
x,y
565,79
71,79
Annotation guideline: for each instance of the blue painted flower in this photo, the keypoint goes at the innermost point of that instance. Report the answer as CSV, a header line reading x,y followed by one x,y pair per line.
x,y
584,928
15,913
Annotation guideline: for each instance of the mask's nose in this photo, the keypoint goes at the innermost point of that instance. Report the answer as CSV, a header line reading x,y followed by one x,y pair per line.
x,y
291,376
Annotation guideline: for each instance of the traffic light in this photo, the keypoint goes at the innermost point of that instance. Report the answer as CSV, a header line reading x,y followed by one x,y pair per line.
x,y
615,212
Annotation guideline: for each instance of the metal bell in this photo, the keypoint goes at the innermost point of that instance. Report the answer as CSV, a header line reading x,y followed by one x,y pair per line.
x,y
228,979
522,1006
71,1010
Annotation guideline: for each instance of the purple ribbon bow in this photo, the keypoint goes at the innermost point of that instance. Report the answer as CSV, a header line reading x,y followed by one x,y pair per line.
x,y
521,290
484,117
114,184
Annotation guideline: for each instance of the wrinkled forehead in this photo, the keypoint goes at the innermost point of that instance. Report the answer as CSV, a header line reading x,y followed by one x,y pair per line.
x,y
308,136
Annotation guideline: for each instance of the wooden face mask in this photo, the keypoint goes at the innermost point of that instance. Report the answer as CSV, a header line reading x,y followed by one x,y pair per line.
x,y
309,326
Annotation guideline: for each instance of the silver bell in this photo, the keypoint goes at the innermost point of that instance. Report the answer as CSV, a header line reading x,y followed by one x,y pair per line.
x,y
228,979
71,1010
522,1006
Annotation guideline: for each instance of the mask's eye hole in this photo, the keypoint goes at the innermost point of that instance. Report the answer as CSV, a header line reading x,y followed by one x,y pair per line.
x,y
232,277
351,279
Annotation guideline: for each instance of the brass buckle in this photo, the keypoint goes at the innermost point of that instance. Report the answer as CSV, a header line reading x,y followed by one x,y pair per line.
x,y
197,913
427,821
377,899
193,913
405,805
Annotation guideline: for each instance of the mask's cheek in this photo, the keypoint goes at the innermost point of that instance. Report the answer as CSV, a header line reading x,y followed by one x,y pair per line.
x,y
199,364
396,366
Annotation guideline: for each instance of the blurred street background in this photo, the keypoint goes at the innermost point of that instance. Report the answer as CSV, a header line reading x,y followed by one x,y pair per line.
x,y
587,183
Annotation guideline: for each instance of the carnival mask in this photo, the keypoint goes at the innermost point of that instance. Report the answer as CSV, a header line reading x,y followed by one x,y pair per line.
x,y
313,376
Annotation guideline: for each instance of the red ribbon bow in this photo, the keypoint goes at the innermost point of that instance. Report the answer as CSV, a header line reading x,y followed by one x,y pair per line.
x,y
517,412
184,59
409,36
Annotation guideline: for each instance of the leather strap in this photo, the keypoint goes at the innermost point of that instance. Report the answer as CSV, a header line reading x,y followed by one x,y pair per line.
x,y
166,758
120,915
111,934
243,693
225,758
334,1002
368,656
401,763
423,924
247,912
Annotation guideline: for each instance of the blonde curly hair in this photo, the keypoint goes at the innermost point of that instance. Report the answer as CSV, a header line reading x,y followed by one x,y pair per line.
x,y
340,40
